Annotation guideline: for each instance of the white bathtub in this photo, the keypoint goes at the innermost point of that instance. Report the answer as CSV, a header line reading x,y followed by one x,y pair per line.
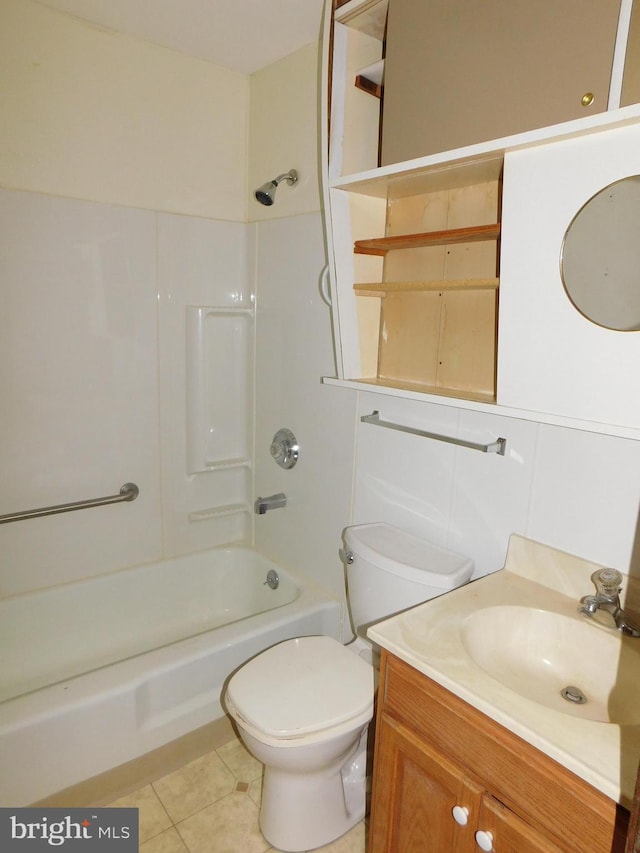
x,y
99,672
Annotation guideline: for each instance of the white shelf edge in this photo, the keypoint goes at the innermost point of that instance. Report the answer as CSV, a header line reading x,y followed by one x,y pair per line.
x,y
239,309
219,512
617,430
225,465
374,72
607,120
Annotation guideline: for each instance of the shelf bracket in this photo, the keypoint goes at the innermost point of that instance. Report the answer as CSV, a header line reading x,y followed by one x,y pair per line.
x,y
498,446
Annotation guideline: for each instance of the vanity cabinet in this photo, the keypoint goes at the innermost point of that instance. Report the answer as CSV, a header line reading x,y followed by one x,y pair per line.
x,y
444,270
457,73
448,779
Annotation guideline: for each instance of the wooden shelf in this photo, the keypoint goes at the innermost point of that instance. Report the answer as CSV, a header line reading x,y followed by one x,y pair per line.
x,y
425,388
382,245
380,288
371,79
369,86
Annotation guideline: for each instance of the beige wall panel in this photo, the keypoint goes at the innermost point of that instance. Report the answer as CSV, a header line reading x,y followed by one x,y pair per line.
x,y
474,205
368,308
361,138
466,359
367,216
409,337
423,212
92,114
283,134
460,72
471,260
424,264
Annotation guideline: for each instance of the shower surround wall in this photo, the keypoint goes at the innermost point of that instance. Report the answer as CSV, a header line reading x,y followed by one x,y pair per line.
x,y
94,362
125,208
121,162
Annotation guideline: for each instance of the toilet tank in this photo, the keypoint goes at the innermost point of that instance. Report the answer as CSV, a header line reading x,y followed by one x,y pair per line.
x,y
389,570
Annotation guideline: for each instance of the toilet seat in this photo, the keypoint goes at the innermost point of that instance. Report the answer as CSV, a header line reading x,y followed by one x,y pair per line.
x,y
302,688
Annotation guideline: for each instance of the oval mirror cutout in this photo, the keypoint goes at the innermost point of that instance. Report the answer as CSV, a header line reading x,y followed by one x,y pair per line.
x,y
600,257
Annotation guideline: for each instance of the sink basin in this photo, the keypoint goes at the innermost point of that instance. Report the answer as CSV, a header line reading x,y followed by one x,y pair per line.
x,y
539,653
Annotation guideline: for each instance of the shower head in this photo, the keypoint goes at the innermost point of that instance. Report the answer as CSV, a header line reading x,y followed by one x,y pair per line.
x,y
267,192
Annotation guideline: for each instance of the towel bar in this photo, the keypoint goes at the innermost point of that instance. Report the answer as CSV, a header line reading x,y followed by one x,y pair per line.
x,y
128,492
498,446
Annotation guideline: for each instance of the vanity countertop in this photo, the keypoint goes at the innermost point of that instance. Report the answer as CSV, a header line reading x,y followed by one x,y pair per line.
x,y
522,625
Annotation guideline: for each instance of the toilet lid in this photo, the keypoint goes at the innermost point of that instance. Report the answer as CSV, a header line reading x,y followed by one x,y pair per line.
x,y
301,686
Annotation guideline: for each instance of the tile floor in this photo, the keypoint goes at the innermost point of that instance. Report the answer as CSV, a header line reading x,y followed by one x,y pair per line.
x,y
211,805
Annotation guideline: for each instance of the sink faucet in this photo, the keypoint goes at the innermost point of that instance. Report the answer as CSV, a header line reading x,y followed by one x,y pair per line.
x,y
604,606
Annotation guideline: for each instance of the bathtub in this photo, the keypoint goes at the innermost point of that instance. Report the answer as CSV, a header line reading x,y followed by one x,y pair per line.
x,y
99,672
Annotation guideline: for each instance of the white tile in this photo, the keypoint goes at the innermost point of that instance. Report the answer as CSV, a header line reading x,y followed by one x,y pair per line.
x,y
201,263
78,348
585,495
293,352
405,479
491,492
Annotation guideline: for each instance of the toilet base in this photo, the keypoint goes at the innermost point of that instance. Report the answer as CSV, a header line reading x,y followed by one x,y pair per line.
x,y
302,812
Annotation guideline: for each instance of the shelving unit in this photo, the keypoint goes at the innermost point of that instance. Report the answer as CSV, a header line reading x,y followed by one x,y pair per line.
x,y
415,247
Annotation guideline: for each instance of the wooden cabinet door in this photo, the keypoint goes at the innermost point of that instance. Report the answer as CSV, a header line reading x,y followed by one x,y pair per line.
x,y
460,72
510,833
414,794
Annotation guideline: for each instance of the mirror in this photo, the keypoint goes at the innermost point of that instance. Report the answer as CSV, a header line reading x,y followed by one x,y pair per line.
x,y
600,257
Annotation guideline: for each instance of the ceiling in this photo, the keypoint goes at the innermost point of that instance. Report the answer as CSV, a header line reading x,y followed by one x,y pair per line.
x,y
243,35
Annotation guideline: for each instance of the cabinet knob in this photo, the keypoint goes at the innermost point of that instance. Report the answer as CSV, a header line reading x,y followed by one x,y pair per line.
x,y
460,815
587,99
484,840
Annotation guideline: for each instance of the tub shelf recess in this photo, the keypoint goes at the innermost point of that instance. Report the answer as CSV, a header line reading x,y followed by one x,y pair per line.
x,y
227,464
218,351
498,446
220,512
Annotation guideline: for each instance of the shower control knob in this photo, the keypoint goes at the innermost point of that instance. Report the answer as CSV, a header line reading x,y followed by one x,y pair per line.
x,y
284,448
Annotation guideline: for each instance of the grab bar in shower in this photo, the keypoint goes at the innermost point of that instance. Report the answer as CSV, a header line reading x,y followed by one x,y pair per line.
x,y
498,446
128,492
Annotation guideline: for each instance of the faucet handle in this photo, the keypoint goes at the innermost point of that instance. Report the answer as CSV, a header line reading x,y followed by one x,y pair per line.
x,y
607,581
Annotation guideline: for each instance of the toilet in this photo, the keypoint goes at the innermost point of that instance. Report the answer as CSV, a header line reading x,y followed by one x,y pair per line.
x,y
303,707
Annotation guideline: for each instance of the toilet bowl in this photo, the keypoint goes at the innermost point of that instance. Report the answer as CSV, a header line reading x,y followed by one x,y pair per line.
x,y
303,707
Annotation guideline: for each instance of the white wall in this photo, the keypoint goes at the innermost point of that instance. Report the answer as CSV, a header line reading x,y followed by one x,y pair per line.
x,y
87,113
573,490
294,335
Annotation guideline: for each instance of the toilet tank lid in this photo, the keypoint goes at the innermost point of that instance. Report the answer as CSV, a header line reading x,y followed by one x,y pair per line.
x,y
408,556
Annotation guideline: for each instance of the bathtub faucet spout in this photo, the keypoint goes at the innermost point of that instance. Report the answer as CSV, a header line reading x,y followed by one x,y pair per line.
x,y
271,502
